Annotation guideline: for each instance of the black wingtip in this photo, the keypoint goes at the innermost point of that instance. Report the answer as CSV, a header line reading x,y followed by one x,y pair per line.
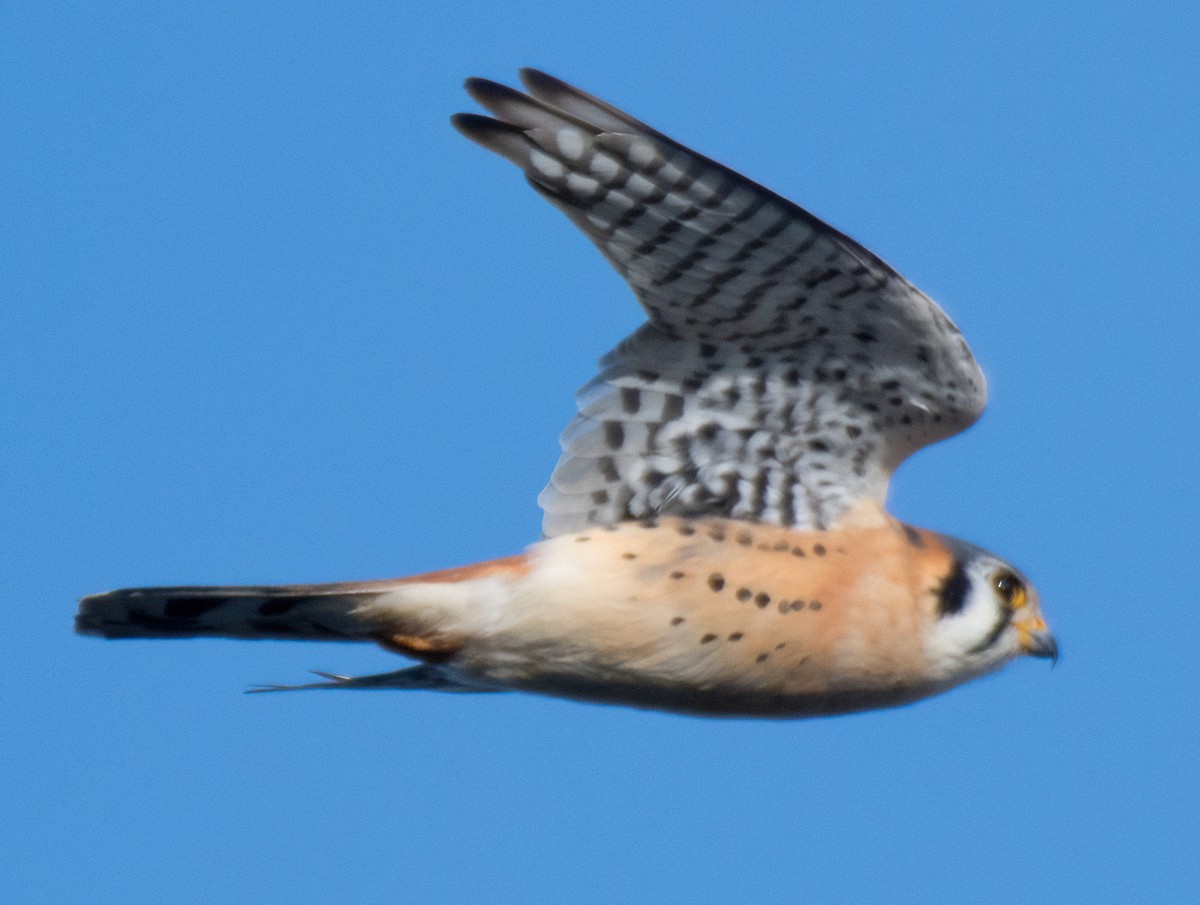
x,y
536,80
484,89
480,128
467,123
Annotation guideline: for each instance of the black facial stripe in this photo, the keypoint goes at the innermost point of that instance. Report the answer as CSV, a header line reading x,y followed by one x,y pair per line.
x,y
952,595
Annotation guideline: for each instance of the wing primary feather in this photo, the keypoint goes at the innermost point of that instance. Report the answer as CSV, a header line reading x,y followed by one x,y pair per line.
x,y
588,108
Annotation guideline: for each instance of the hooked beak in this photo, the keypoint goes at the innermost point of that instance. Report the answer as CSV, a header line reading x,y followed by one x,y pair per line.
x,y
1036,639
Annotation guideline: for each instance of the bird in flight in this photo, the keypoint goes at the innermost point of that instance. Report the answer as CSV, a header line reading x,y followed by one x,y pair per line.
x,y
714,537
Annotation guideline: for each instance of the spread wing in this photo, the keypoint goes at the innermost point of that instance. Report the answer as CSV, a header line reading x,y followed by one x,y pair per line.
x,y
785,370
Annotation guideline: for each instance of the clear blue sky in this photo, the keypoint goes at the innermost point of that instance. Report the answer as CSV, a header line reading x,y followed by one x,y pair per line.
x,y
267,318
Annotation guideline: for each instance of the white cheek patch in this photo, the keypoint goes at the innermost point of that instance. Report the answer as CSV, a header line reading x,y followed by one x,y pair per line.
x,y
957,641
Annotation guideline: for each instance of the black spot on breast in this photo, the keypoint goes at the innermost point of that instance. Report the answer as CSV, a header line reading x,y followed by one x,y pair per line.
x,y
744,594
819,549
744,538
677,575
707,639
952,594
628,556
736,636
815,605
796,551
762,599
582,538
678,620
716,581
761,658
686,530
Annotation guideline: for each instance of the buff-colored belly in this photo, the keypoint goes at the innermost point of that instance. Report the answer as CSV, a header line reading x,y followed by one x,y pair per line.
x,y
718,616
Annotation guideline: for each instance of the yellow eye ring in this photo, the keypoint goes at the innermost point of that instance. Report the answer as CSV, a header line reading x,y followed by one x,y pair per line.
x,y
1011,589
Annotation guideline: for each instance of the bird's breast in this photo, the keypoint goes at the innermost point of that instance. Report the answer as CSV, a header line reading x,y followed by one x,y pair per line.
x,y
718,608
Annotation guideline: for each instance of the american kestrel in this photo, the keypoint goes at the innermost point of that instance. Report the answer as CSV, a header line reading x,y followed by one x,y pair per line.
x,y
715,539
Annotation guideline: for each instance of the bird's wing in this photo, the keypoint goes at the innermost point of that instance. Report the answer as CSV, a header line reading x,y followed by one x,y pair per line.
x,y
785,370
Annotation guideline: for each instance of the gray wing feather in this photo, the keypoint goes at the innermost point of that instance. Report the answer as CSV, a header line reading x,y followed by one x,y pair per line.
x,y
785,370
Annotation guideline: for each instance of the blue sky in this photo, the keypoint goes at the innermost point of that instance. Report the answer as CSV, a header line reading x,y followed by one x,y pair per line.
x,y
267,318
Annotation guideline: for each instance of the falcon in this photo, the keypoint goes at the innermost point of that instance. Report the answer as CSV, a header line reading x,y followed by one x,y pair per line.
x,y
715,538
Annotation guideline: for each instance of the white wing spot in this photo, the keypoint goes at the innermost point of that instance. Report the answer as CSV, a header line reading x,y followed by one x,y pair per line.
x,y
570,142
582,185
640,186
739,200
605,167
703,190
642,153
619,202
546,165
672,172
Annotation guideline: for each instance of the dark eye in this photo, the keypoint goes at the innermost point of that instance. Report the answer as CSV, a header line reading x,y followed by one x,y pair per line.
x,y
1011,589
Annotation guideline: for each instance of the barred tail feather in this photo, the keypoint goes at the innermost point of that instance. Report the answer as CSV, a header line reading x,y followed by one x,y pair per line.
x,y
331,612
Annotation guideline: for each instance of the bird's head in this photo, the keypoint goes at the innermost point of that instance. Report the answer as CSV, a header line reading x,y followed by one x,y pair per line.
x,y
986,613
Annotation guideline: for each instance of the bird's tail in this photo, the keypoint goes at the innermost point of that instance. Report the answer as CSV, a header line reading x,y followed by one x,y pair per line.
x,y
419,616
333,612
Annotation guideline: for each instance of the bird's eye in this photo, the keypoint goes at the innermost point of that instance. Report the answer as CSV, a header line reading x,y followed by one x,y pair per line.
x,y
1011,589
